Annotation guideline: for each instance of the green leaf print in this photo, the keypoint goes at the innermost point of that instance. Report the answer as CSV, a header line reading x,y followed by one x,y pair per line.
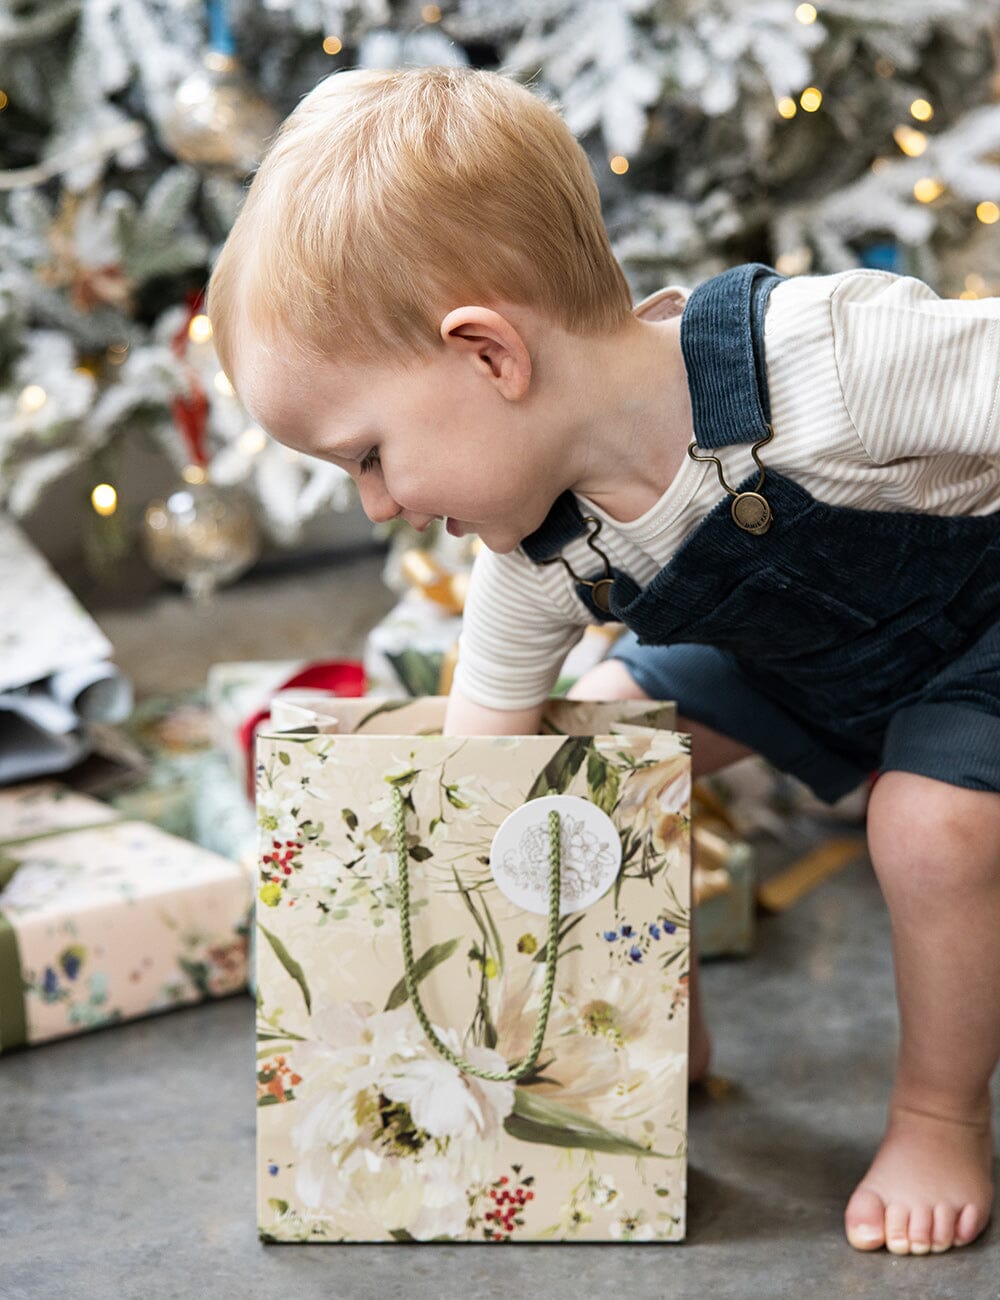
x,y
289,963
419,671
558,773
537,1119
422,967
389,706
602,781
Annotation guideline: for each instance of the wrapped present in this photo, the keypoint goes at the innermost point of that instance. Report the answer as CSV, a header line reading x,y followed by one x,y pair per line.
x,y
104,919
240,698
472,976
412,650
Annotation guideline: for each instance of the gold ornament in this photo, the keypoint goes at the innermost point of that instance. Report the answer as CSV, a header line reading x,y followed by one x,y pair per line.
x,y
219,121
202,536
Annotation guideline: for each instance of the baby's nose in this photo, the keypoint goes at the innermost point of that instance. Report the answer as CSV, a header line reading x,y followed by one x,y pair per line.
x,y
377,504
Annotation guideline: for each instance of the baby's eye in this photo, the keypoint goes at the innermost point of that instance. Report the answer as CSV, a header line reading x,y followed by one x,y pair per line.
x,y
368,461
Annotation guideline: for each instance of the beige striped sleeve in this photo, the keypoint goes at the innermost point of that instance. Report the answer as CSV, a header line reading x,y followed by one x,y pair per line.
x,y
920,374
520,622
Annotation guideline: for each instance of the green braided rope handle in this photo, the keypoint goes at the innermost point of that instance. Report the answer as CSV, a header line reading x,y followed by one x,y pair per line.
x,y
524,1067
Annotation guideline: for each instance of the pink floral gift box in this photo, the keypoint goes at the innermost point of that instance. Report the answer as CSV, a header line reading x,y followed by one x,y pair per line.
x,y
398,1096
104,919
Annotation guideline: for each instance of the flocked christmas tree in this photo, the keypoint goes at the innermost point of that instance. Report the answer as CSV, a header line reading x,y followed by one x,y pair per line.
x,y
719,131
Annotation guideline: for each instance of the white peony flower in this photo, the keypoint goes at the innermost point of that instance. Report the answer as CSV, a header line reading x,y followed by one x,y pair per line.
x,y
388,1124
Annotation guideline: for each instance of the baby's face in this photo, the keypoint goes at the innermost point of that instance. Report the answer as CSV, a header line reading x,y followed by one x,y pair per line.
x,y
434,442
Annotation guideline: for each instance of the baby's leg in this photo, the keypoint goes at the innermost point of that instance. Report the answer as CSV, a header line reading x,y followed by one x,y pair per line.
x,y
936,850
710,751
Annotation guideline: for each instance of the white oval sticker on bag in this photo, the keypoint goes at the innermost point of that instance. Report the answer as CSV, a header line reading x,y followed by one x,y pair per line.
x,y
590,854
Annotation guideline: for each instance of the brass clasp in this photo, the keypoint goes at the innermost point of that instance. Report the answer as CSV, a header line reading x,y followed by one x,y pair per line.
x,y
600,588
750,511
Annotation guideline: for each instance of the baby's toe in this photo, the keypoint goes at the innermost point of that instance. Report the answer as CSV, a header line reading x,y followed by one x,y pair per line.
x,y
943,1231
969,1225
897,1228
864,1220
921,1225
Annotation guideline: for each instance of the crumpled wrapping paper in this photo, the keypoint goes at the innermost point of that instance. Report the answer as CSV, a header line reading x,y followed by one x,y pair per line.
x,y
56,674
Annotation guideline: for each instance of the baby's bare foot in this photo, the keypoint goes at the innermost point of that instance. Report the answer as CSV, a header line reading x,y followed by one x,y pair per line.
x,y
929,1186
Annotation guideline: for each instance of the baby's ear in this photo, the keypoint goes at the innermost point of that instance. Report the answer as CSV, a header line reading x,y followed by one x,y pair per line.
x,y
494,346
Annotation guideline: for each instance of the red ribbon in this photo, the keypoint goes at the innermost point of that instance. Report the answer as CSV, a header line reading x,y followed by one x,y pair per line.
x,y
344,677
191,410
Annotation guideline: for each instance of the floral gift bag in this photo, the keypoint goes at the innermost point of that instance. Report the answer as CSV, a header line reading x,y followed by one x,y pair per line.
x,y
472,962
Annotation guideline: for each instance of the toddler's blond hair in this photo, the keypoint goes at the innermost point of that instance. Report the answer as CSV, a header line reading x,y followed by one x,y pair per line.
x,y
390,197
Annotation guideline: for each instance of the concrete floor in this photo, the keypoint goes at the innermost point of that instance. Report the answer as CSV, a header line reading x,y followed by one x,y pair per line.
x,y
127,1155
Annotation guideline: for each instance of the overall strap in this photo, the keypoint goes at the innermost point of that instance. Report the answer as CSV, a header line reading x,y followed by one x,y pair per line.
x,y
722,329
562,524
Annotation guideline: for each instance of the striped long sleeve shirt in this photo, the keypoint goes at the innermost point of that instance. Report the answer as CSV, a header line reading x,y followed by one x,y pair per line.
x,y
883,397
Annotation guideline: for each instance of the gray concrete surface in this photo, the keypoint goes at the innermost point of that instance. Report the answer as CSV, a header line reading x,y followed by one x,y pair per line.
x,y
127,1155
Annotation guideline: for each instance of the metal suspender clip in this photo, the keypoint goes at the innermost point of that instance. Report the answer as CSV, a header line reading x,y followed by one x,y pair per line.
x,y
749,509
600,588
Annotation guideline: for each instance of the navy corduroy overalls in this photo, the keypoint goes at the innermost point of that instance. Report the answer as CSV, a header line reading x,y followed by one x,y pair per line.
x,y
835,642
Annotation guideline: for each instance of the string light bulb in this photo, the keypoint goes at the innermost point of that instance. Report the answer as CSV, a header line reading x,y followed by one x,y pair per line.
x,y
194,474
927,189
911,141
332,45
922,110
4,101
811,98
988,212
618,165
31,399
974,286
787,107
200,329
806,14
252,440
104,499
431,13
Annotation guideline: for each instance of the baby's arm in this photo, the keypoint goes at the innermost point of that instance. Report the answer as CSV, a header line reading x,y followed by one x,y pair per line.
x,y
464,718
520,622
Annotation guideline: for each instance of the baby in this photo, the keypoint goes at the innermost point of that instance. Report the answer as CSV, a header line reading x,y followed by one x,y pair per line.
x,y
787,489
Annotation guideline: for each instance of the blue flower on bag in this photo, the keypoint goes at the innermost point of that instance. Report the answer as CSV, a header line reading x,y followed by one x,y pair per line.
x,y
636,942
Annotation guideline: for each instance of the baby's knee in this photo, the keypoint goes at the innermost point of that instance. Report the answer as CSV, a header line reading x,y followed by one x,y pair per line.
x,y
608,680
928,834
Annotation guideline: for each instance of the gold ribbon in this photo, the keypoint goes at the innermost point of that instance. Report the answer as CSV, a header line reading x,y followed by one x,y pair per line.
x,y
424,573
